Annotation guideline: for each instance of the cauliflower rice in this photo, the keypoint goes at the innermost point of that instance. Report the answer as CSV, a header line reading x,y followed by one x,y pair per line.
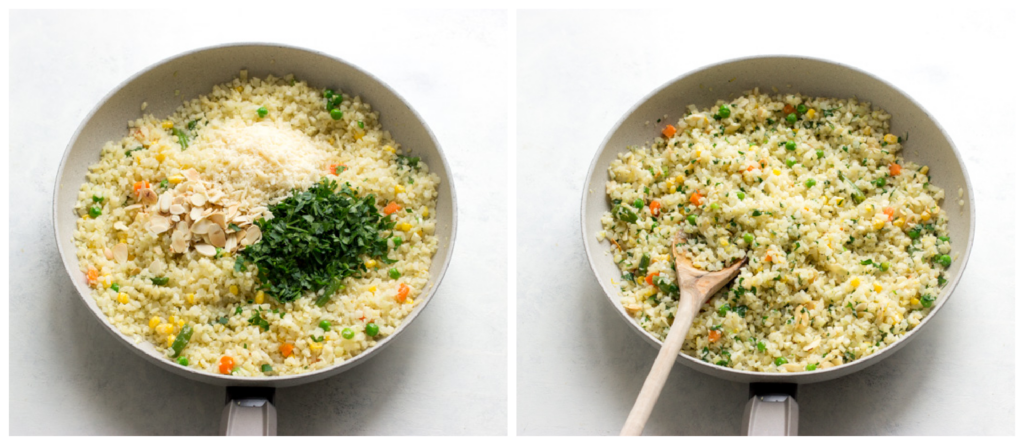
x,y
242,159
846,242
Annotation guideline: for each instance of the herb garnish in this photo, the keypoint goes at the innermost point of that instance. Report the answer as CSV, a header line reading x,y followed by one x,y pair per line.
x,y
317,238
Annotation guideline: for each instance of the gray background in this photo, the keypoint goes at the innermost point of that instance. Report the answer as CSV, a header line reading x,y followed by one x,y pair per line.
x,y
446,375
579,367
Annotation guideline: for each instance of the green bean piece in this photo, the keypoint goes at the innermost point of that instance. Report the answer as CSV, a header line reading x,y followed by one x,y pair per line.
x,y
181,340
645,261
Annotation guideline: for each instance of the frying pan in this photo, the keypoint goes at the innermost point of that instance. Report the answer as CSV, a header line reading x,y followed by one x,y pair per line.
x,y
163,86
772,408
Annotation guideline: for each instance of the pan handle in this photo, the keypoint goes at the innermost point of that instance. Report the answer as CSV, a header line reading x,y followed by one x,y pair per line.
x,y
249,412
772,410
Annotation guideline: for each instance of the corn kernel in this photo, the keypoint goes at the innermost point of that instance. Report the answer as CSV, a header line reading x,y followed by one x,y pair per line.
x,y
924,170
315,347
419,233
373,288
915,301
866,131
426,212
855,282
723,242
679,179
925,216
238,88
776,172
181,323
878,287
123,237
899,222
370,264
165,328
360,134
160,157
170,319
399,189
389,149
175,179
154,322
640,281
811,113
410,301
170,340
106,281
405,227
890,139
167,124
259,297
879,224
122,298
233,289
191,298
698,153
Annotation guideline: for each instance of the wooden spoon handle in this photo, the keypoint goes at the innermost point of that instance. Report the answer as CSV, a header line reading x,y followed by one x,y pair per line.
x,y
663,364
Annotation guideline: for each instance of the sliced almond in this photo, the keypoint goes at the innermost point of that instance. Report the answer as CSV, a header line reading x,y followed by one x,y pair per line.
x,y
120,252
159,224
252,235
197,199
179,242
175,218
216,236
120,226
165,202
148,196
206,249
218,219
133,207
231,212
792,367
176,209
814,344
108,253
197,212
230,243
191,174
202,227
214,196
157,267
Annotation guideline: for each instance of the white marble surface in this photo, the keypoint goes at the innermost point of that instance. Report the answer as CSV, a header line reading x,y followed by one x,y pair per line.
x,y
446,375
580,367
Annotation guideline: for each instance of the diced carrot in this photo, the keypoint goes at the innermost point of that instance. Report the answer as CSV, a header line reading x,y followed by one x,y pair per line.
x,y
669,131
655,207
226,364
768,258
403,291
750,168
714,336
695,198
286,349
93,275
888,211
392,207
336,169
139,186
788,109
650,277
894,169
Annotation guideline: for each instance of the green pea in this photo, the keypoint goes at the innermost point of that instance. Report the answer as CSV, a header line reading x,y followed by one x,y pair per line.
x,y
325,325
182,361
266,368
810,182
115,287
741,195
791,118
723,309
914,233
945,260
397,241
790,145
692,219
884,266
360,124
394,273
781,360
262,111
95,211
335,101
801,108
347,333
714,206
639,204
724,111
812,366
328,93
372,329
820,153
336,113
790,162
761,347
748,238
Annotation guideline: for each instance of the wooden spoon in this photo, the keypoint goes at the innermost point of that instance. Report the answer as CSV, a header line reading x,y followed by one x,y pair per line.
x,y
695,287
